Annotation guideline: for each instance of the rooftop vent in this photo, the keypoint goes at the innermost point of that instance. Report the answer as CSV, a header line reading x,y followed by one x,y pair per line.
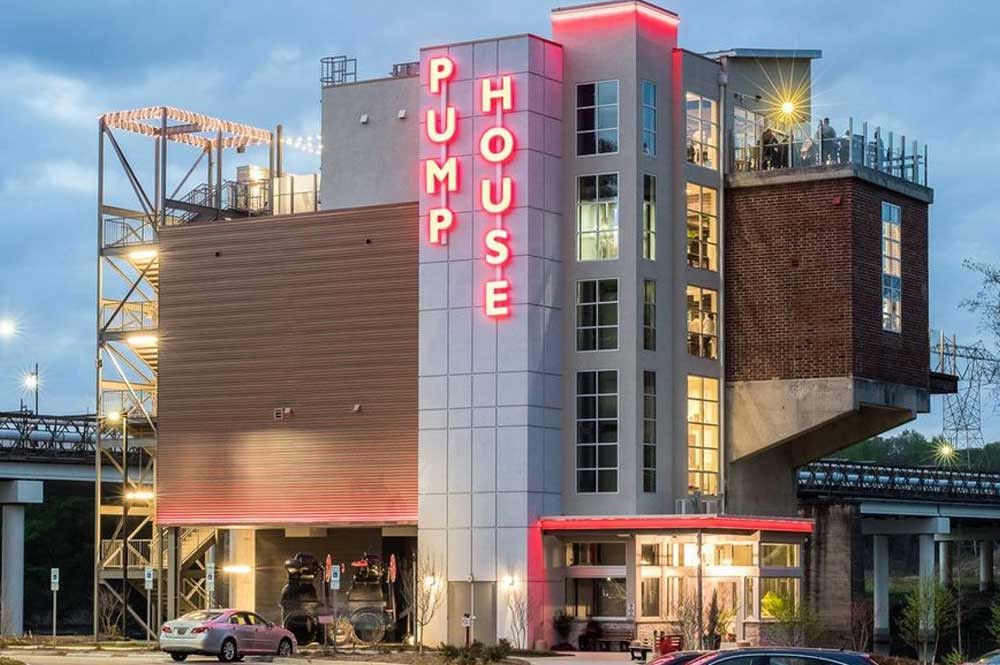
x,y
406,69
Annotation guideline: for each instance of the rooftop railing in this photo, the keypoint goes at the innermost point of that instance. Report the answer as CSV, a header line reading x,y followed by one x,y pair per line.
x,y
762,146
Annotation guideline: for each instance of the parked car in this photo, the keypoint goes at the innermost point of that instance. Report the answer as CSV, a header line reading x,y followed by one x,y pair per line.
x,y
229,634
677,658
783,656
988,658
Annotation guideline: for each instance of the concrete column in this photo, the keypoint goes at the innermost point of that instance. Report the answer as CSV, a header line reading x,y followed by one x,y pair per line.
x,y
210,565
944,562
12,574
986,565
173,565
880,601
925,543
243,552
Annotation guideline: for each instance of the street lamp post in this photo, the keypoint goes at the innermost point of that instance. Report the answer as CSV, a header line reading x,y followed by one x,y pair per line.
x,y
31,382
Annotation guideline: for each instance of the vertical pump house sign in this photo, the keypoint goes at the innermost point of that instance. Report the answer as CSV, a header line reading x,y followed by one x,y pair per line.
x,y
494,191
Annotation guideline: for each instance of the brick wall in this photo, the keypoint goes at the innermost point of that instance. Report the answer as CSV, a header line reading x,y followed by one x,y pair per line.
x,y
803,283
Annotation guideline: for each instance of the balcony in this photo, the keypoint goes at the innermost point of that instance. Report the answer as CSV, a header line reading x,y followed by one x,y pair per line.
x,y
758,144
130,316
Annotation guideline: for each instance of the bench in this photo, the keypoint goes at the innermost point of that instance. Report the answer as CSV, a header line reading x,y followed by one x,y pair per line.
x,y
639,650
619,635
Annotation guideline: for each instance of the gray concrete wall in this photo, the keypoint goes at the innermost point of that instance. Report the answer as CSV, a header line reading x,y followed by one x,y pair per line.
x,y
370,163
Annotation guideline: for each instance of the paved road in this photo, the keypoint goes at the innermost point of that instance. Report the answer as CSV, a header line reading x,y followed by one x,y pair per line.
x,y
111,658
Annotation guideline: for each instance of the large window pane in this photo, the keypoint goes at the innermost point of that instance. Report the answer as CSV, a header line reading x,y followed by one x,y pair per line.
x,y
597,118
703,439
597,315
597,423
892,283
702,131
702,227
597,217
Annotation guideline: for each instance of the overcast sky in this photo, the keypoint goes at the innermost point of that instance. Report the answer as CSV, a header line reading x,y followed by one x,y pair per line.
x,y
927,70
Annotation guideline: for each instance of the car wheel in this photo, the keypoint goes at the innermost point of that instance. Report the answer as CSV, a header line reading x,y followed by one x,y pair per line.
x,y
179,657
227,654
285,647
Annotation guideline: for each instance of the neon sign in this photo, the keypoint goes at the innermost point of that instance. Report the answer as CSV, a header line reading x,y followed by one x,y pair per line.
x,y
496,193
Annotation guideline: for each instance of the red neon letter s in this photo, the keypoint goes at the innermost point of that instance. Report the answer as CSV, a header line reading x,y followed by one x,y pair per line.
x,y
497,298
497,247
486,196
504,93
441,135
439,220
440,69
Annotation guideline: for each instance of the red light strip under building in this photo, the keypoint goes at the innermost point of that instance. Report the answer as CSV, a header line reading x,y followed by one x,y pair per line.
x,y
668,522
600,11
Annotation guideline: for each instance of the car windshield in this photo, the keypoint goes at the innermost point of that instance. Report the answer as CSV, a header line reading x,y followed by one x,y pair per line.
x,y
988,657
202,615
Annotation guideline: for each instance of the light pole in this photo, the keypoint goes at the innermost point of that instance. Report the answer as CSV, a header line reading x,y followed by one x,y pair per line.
x,y
116,416
31,382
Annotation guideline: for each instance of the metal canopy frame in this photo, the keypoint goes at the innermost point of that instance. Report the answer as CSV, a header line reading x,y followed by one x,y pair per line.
x,y
126,537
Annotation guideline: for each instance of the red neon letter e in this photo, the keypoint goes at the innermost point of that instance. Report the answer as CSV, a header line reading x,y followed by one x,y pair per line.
x,y
497,297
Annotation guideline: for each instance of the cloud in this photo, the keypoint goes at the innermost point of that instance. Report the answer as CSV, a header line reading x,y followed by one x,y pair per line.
x,y
47,94
64,174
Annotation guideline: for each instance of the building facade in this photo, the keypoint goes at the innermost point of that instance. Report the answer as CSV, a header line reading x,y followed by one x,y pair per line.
x,y
574,311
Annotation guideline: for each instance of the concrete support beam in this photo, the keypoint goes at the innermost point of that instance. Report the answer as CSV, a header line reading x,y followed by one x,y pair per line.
x,y
173,569
880,601
925,544
243,552
944,562
12,575
929,526
986,565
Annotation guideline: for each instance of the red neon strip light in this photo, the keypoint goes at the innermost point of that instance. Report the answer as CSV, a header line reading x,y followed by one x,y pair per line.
x,y
616,10
675,522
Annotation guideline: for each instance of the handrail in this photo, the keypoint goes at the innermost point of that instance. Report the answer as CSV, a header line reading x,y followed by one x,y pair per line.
x,y
866,479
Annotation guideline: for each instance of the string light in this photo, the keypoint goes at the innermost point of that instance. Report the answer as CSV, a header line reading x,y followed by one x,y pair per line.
x,y
309,143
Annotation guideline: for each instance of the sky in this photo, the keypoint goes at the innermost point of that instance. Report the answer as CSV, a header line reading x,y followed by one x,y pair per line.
x,y
928,70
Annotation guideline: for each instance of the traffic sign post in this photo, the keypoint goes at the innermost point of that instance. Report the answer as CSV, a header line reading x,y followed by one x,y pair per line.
x,y
54,585
147,583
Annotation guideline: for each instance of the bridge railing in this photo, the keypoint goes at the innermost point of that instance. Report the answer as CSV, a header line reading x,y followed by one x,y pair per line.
x,y
140,553
863,479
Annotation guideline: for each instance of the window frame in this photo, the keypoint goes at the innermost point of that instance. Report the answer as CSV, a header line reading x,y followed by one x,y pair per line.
x,y
699,316
596,444
598,201
704,424
649,425
648,315
712,123
704,219
597,326
596,111
644,130
892,267
648,217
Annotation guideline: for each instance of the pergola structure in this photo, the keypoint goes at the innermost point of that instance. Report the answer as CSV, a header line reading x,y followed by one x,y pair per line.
x,y
127,541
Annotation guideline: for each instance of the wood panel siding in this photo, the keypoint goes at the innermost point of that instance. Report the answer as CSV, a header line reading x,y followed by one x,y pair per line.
x,y
316,313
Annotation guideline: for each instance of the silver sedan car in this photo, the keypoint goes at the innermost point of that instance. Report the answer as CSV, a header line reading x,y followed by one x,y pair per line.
x,y
228,634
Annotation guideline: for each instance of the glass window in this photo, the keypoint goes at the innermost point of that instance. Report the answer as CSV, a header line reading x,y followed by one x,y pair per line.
x,y
597,315
649,315
703,435
702,131
726,554
597,217
595,597
649,217
597,118
775,591
595,554
779,554
702,227
702,308
648,431
651,596
648,117
892,276
649,554
747,130
749,596
597,431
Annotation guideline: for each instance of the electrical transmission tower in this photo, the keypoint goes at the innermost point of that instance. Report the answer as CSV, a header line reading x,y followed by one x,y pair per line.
x,y
976,367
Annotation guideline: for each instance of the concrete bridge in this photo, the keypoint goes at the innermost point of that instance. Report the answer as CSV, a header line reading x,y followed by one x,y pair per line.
x,y
852,501
35,449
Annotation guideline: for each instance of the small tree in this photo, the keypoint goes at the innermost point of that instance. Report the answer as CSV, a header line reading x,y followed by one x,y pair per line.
x,y
928,614
517,607
994,625
795,623
862,624
109,616
423,588
688,623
